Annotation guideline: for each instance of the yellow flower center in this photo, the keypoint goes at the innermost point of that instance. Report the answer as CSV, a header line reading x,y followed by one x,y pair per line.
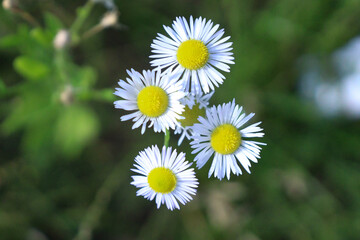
x,y
152,101
162,180
225,139
191,115
192,54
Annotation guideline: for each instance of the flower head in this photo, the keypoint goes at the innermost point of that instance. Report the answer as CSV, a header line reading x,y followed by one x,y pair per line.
x,y
165,176
154,99
195,107
194,51
110,19
62,39
222,134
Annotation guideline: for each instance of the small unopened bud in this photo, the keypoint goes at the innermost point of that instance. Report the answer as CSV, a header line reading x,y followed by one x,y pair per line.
x,y
62,39
109,19
9,4
67,95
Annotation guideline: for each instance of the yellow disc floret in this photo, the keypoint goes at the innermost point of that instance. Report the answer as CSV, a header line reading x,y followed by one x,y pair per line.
x,y
162,180
191,115
192,54
152,101
225,139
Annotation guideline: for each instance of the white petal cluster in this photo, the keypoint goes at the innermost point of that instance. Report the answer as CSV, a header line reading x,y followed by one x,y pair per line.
x,y
220,56
186,182
188,64
190,100
130,89
249,150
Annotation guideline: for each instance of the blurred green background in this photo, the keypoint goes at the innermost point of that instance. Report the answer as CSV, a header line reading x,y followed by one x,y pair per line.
x,y
65,157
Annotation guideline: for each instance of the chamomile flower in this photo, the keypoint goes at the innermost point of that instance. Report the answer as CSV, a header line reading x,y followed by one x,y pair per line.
x,y
222,134
165,176
195,106
152,97
194,52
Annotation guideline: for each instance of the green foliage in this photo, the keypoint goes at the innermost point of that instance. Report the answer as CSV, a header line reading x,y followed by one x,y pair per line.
x,y
65,156
53,24
31,68
40,100
74,128
2,87
17,40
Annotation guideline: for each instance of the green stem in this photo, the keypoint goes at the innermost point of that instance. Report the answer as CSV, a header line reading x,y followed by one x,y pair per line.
x,y
82,15
91,32
60,64
167,138
99,204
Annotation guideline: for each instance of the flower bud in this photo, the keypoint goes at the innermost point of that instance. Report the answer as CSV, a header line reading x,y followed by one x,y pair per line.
x,y
109,19
9,4
67,95
62,39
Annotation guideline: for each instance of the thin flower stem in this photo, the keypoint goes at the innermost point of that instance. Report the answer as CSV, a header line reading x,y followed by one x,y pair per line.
x,y
26,16
80,20
91,32
60,64
98,206
166,138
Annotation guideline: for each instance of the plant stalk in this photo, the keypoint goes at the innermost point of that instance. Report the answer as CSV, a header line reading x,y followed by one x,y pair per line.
x,y
166,138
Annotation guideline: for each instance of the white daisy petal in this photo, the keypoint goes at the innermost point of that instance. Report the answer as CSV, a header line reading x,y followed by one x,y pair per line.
x,y
195,107
161,106
194,49
222,135
165,176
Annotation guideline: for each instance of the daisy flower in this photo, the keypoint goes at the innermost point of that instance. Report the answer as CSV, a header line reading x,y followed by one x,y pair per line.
x,y
195,106
165,176
194,52
152,97
222,133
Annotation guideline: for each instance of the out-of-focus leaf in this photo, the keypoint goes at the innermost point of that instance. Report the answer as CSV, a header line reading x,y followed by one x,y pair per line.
x,y
53,24
41,36
31,68
75,127
16,119
2,87
81,11
84,77
10,41
105,95
38,139
30,107
16,39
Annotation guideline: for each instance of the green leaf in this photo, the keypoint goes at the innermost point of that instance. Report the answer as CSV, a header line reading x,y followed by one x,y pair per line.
x,y
10,41
31,106
53,24
17,39
44,38
31,68
84,77
81,12
75,128
105,95
2,87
